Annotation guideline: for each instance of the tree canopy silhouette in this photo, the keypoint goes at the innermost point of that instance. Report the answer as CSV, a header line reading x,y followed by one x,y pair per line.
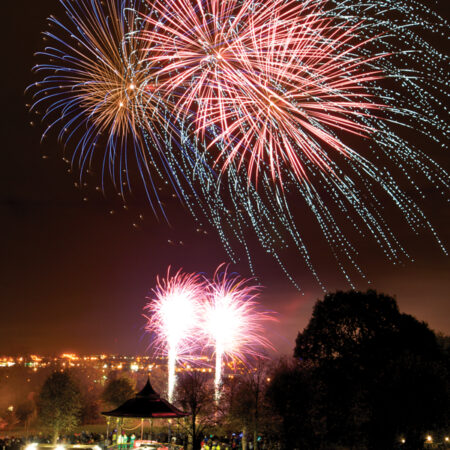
x,y
195,394
366,376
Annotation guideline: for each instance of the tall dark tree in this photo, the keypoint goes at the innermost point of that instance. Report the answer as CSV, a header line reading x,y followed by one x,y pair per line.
x,y
381,372
117,391
244,403
195,394
59,403
444,343
292,396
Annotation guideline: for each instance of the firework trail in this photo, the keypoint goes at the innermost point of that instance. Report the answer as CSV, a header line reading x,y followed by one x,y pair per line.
x,y
323,98
99,94
173,317
322,105
232,321
270,78
95,89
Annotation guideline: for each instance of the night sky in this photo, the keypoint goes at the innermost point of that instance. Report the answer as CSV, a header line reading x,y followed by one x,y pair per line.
x,y
74,277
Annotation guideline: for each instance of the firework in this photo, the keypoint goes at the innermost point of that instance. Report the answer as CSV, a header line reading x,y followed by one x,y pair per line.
x,y
320,104
100,96
232,320
173,316
95,89
317,99
269,76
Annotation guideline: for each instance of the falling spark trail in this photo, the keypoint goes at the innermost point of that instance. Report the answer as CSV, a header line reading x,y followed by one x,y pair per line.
x,y
233,322
255,113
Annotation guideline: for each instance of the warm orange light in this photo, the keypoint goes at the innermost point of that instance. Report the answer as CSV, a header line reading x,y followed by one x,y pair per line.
x,y
71,356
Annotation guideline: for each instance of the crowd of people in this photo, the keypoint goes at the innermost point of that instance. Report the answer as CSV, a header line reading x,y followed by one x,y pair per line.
x,y
229,443
83,438
124,441
11,443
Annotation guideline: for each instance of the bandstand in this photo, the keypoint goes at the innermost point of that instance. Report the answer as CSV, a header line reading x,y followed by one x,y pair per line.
x,y
146,405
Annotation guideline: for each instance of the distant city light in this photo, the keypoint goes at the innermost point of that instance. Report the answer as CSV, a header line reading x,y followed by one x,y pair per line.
x,y
7,363
71,356
137,364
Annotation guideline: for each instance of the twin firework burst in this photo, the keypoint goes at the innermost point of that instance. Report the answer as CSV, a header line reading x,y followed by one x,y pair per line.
x,y
188,313
255,111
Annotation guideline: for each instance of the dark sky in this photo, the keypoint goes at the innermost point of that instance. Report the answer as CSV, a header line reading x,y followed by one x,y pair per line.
x,y
74,277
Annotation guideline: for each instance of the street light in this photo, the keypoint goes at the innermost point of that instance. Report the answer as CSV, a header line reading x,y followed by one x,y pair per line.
x,y
429,439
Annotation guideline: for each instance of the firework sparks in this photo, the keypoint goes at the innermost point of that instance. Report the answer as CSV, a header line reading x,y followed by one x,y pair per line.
x,y
232,321
285,89
323,100
270,76
173,316
96,89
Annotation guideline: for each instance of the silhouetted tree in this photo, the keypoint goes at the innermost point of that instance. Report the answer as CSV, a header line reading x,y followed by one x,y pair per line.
x,y
117,391
292,394
444,343
343,323
380,373
59,403
195,394
243,402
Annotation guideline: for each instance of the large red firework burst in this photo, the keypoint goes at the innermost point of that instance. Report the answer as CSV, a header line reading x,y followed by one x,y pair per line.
x,y
270,82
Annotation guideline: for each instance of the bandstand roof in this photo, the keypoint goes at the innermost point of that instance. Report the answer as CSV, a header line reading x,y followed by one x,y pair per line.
x,y
147,404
